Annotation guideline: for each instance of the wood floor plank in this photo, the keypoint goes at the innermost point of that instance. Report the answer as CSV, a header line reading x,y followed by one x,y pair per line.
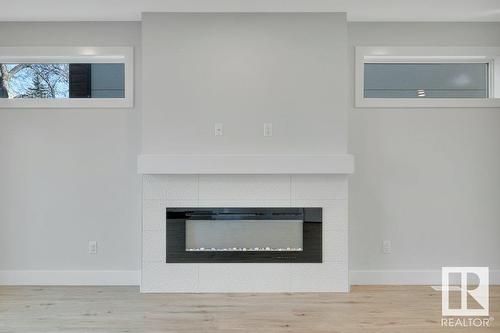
x,y
34,309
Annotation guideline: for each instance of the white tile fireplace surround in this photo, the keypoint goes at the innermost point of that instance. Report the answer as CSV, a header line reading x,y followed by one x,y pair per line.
x,y
328,191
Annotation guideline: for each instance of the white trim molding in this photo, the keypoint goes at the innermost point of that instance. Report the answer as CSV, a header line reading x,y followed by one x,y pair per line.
x,y
132,278
245,164
385,54
405,277
70,278
87,54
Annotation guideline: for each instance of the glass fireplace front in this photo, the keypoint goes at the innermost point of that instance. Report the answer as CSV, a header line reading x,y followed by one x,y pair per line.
x,y
244,235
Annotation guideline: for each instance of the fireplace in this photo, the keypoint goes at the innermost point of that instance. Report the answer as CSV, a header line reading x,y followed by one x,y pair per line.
x,y
244,235
318,264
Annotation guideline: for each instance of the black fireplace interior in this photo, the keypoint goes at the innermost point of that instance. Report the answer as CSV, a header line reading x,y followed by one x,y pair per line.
x,y
244,235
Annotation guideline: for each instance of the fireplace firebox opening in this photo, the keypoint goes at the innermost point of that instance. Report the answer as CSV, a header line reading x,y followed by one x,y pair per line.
x,y
244,235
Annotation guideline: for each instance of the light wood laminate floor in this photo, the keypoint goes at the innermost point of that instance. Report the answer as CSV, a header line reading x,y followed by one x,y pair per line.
x,y
124,309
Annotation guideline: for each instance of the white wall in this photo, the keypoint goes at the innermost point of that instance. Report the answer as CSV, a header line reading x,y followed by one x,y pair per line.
x,y
429,180
426,179
69,176
244,70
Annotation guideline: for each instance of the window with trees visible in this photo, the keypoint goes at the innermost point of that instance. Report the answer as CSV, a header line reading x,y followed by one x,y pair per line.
x,y
62,80
91,77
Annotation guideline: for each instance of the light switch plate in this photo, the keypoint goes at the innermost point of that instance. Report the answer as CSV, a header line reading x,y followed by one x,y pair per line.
x,y
387,247
92,247
218,129
268,129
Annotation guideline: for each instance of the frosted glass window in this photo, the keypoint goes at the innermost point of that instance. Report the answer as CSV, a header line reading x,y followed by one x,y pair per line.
x,y
426,80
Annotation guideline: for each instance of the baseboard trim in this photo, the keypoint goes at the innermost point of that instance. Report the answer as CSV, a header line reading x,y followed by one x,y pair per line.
x,y
393,277
70,278
132,278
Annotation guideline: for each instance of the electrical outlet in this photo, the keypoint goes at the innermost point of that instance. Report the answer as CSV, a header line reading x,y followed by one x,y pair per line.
x,y
268,129
218,129
387,247
92,247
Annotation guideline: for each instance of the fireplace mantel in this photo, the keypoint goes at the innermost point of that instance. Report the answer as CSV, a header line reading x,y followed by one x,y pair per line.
x,y
245,164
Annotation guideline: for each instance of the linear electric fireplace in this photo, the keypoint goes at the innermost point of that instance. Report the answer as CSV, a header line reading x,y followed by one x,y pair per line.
x,y
244,235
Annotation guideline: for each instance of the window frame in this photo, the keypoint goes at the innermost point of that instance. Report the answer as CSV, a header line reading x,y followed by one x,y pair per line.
x,y
86,54
490,55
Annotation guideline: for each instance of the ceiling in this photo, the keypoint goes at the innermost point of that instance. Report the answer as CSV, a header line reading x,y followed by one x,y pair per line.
x,y
357,10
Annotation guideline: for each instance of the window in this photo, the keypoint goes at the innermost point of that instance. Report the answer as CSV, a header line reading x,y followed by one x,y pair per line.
x,y
439,80
59,80
66,77
427,77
